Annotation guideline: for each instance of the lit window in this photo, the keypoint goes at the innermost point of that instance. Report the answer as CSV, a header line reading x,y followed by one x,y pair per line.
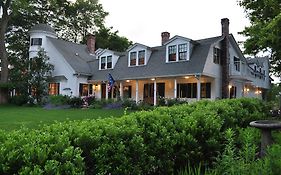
x,y
133,58
172,50
103,62
83,89
183,52
54,88
217,54
141,57
36,41
109,62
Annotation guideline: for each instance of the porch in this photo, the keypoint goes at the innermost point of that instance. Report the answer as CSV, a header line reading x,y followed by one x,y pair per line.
x,y
187,88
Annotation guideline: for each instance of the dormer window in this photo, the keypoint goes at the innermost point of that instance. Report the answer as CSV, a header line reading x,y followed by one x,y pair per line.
x,y
182,52
106,62
137,58
172,53
109,62
36,42
177,52
133,58
141,57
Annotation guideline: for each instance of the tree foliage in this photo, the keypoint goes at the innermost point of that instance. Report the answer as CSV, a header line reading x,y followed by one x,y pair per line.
x,y
30,76
264,33
74,21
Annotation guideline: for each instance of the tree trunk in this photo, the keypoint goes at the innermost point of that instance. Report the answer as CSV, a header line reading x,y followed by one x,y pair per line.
x,y
3,53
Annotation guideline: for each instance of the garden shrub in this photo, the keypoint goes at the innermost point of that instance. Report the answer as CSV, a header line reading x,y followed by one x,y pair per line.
x,y
19,100
160,141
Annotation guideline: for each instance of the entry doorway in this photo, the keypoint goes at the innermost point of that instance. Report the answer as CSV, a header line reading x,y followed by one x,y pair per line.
x,y
148,92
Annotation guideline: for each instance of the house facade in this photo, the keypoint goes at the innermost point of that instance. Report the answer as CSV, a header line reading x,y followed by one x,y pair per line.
x,y
180,68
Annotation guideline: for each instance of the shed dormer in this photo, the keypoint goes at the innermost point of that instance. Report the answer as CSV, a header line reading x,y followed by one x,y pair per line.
x,y
107,59
138,55
38,34
178,49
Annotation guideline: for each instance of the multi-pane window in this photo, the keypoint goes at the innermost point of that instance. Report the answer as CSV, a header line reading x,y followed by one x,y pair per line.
x,y
54,88
217,56
172,51
103,63
183,52
109,62
237,64
141,57
133,58
189,90
36,41
137,58
106,62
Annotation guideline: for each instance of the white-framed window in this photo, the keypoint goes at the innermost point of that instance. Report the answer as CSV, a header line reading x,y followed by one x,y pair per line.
x,y
141,57
237,64
137,58
172,51
36,42
106,62
182,52
133,58
178,52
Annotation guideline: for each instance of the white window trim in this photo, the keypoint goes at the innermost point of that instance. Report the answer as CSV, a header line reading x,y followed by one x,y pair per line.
x,y
106,62
137,58
177,53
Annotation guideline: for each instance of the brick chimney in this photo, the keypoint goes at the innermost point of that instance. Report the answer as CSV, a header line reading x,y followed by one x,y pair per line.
x,y
91,42
165,37
225,58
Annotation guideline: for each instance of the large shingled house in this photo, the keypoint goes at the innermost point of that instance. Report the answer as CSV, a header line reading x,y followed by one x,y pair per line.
x,y
180,67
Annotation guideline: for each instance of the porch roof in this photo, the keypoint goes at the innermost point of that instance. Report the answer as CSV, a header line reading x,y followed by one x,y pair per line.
x,y
156,65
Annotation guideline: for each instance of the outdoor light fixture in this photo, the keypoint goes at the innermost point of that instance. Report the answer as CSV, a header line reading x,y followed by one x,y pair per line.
x,y
186,77
128,81
152,79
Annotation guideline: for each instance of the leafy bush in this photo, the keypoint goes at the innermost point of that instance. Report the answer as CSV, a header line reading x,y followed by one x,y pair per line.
x,y
160,141
75,102
59,99
19,100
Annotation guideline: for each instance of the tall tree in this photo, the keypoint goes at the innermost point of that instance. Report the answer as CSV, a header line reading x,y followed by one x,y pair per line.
x,y
4,6
264,33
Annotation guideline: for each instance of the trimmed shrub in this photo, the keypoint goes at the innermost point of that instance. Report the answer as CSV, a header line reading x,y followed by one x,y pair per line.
x,y
161,141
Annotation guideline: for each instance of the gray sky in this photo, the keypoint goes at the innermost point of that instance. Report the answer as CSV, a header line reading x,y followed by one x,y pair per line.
x,y
143,21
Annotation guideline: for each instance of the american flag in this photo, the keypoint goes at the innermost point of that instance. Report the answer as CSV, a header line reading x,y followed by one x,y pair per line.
x,y
111,82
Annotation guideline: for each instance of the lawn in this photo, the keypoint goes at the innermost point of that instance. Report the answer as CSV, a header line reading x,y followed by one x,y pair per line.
x,y
14,117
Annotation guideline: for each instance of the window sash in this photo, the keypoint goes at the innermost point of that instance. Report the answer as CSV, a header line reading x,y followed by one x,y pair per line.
x,y
141,57
109,62
54,88
133,58
36,41
172,50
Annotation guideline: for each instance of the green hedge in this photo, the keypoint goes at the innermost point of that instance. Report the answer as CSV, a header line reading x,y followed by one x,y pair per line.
x,y
161,141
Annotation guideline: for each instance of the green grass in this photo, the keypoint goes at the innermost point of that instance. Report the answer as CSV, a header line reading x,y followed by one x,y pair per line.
x,y
15,117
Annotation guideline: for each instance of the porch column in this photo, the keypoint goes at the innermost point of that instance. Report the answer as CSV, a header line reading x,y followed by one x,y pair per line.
x,y
175,88
121,90
106,91
137,91
155,93
198,78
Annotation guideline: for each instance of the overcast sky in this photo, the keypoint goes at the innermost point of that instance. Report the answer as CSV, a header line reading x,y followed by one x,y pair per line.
x,y
143,21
